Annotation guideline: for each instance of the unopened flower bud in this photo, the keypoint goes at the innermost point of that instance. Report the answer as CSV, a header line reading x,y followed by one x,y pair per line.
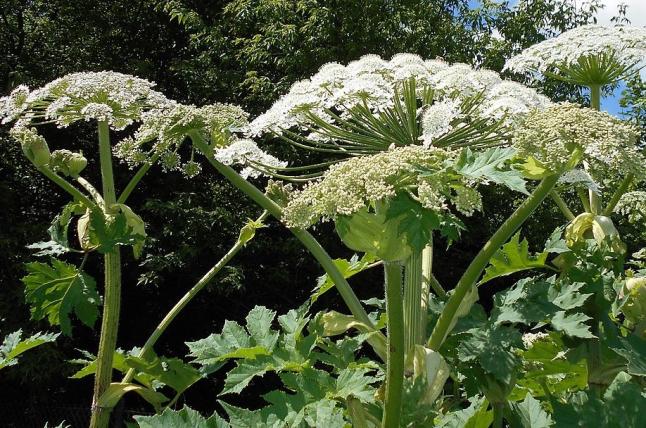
x,y
35,148
68,163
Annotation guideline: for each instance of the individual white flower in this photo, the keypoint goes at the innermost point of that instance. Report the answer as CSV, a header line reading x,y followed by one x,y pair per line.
x,y
633,206
247,153
590,54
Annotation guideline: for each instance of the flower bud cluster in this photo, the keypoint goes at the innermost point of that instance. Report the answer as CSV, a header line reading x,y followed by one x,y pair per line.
x,y
606,143
352,185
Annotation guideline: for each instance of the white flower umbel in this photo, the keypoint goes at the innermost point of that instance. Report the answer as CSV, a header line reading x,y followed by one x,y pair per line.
x,y
375,83
633,206
164,130
437,120
246,152
606,143
349,186
117,98
530,338
587,55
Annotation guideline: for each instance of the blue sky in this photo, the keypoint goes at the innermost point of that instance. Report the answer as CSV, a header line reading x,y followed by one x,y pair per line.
x,y
636,13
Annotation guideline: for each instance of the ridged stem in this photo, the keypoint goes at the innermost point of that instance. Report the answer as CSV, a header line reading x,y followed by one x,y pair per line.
x,y
562,205
112,293
614,200
481,260
413,301
595,103
395,340
377,340
181,303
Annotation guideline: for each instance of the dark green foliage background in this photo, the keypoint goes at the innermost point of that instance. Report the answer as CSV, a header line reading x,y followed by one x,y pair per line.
x,y
200,51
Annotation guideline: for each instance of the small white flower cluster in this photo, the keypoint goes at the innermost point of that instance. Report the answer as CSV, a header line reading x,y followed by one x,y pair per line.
x,y
633,206
169,127
246,152
116,98
349,186
607,144
530,338
374,82
625,45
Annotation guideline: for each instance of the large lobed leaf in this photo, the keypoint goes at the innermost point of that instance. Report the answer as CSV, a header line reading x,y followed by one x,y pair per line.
x,y
13,346
513,257
57,290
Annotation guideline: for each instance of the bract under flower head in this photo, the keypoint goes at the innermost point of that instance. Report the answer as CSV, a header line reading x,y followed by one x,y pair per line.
x,y
587,55
552,136
355,184
633,206
376,84
116,98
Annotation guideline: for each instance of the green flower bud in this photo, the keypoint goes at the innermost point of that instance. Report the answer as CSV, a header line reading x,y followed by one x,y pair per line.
x,y
136,225
597,227
36,150
633,294
432,365
371,233
67,162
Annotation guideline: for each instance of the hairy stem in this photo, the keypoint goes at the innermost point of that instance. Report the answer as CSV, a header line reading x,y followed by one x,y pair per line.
x,y
68,187
562,205
481,260
395,360
498,413
413,301
181,303
595,103
112,298
377,340
623,187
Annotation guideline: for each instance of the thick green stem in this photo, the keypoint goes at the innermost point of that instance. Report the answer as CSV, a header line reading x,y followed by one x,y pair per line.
x,y
595,103
395,360
181,303
112,297
481,260
413,301
498,413
123,197
63,184
562,205
623,187
377,340
584,200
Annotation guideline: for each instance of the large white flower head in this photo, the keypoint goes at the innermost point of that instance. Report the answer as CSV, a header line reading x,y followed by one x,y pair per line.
x,y
376,85
607,144
633,206
116,98
587,55
163,131
351,186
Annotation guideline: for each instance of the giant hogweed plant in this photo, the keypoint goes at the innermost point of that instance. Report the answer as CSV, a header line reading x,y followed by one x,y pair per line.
x,y
407,142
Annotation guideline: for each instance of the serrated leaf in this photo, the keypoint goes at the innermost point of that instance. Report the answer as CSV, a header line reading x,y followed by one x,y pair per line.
x,y
239,377
415,222
56,291
513,257
531,414
184,418
13,346
348,268
566,295
259,321
474,416
633,349
555,243
526,302
572,324
122,228
489,165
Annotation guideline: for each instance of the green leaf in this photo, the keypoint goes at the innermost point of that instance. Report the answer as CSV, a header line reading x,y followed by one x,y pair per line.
x,y
118,363
59,290
489,165
572,325
185,418
115,391
526,302
348,268
531,414
169,371
415,222
511,258
239,377
122,228
474,416
633,349
12,346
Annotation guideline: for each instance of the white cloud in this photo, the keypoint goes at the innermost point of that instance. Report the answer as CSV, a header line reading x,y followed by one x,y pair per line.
x,y
636,11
